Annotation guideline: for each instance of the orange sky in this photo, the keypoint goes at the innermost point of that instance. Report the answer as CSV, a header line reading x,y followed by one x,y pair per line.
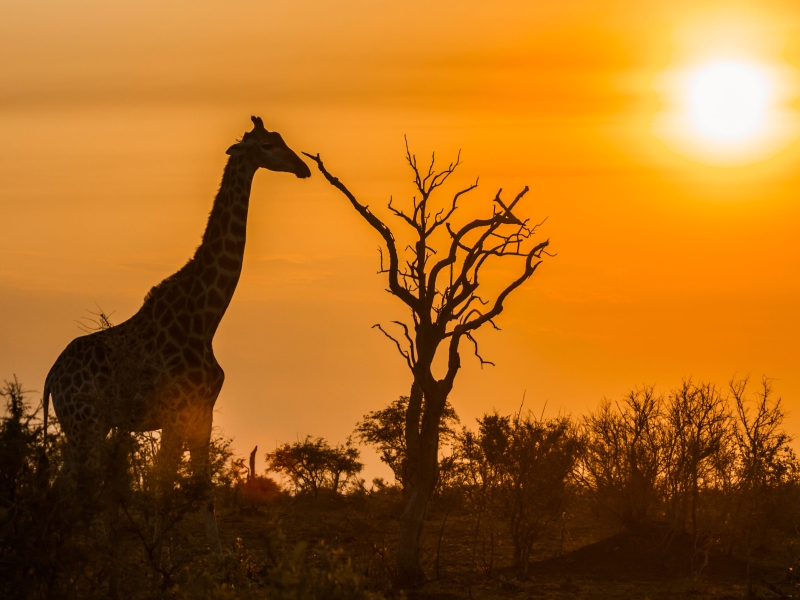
x,y
114,119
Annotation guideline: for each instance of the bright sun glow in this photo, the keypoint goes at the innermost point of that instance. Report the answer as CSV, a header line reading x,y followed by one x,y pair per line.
x,y
727,110
728,100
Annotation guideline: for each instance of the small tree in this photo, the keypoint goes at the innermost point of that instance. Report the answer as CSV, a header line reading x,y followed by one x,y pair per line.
x,y
479,460
385,429
763,445
312,464
438,281
518,470
766,471
624,455
699,431
344,464
537,467
481,455
18,448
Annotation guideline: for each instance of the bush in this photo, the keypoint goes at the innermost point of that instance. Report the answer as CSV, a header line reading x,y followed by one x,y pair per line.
x,y
718,467
517,470
312,465
321,573
622,464
257,490
95,537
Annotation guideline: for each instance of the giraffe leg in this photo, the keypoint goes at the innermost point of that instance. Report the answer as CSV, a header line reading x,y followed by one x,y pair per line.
x,y
199,446
167,461
64,479
84,452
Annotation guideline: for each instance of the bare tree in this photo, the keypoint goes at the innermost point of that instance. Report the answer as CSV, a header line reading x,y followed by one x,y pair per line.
x,y
760,438
624,455
766,473
699,427
436,277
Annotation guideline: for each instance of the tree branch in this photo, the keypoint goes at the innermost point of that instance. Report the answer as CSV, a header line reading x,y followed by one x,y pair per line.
x,y
394,283
402,352
480,358
530,268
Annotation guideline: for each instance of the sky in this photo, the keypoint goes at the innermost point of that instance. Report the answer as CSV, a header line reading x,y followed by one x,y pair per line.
x,y
676,256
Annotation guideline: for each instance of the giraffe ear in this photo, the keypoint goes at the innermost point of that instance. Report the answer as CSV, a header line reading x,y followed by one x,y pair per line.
x,y
235,149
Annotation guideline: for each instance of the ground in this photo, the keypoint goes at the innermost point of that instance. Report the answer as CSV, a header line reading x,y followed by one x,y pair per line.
x,y
579,559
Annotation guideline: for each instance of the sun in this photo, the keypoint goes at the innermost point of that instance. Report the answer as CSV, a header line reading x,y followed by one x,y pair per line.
x,y
727,110
729,96
728,100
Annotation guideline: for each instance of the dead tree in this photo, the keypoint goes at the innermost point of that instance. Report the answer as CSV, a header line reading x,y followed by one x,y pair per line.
x,y
251,475
437,278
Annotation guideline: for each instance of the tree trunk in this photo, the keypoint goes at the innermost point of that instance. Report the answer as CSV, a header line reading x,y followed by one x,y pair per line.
x,y
409,571
695,495
423,472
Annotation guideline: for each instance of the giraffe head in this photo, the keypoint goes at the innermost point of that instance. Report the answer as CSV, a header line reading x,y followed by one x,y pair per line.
x,y
267,150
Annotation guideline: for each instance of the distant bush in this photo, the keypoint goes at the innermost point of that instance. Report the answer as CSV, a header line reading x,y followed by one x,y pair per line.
x,y
715,466
257,490
518,471
622,465
313,465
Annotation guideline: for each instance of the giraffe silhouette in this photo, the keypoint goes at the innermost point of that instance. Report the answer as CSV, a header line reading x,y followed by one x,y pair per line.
x,y
157,370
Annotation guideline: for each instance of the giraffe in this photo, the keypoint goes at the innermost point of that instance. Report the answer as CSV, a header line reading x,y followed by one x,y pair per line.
x,y
157,369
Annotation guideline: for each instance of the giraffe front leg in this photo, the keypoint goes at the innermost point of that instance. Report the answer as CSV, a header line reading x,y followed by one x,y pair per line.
x,y
199,442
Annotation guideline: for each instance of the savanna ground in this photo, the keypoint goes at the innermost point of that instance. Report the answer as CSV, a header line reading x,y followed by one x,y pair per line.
x,y
581,559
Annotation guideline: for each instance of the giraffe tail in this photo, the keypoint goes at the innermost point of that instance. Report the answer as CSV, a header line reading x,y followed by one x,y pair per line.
x,y
46,409
43,468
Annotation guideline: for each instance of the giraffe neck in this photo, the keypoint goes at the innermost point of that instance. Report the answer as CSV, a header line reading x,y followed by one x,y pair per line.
x,y
218,259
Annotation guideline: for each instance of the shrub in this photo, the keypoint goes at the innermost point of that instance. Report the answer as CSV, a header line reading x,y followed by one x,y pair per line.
x,y
312,465
517,470
624,454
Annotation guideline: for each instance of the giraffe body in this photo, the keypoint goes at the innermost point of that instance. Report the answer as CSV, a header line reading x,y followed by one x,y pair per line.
x,y
157,370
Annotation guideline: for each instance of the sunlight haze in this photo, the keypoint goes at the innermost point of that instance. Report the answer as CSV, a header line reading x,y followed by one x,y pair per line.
x,y
674,215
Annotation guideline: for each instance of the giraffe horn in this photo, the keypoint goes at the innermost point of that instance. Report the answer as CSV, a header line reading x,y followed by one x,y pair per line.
x,y
259,124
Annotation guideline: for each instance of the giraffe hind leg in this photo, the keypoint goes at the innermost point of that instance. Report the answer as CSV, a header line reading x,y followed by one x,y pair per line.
x,y
199,442
85,452
166,466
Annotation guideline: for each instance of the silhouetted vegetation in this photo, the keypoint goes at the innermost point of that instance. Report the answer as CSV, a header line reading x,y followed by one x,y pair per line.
x,y
520,468
386,430
312,465
111,535
699,485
